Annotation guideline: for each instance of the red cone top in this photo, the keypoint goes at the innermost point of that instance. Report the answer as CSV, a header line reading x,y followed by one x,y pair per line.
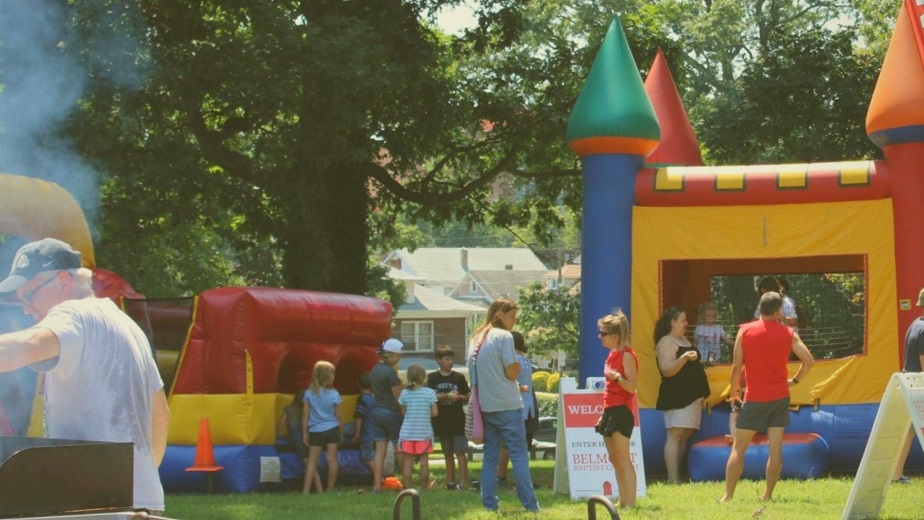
x,y
678,145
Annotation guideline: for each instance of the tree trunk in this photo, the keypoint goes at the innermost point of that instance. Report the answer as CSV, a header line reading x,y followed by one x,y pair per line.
x,y
325,230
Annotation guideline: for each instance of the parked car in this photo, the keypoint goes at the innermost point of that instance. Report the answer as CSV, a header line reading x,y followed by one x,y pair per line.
x,y
544,439
548,429
426,360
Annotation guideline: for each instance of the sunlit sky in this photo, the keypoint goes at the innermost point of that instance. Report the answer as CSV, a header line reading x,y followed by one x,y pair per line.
x,y
456,19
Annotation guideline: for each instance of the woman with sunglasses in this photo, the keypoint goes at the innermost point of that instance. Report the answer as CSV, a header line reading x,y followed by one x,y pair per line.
x,y
617,421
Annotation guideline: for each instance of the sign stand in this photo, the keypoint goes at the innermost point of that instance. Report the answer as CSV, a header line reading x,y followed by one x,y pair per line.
x,y
582,467
560,483
902,406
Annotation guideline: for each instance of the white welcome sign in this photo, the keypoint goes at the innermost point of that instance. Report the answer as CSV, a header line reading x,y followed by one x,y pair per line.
x,y
585,469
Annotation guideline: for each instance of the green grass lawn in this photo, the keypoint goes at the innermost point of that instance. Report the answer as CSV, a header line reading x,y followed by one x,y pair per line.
x,y
795,499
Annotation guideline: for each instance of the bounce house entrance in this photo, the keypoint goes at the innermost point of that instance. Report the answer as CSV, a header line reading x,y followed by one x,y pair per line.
x,y
829,294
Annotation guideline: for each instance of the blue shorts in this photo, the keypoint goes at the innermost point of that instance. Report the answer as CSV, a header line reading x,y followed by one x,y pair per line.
x,y
367,449
386,424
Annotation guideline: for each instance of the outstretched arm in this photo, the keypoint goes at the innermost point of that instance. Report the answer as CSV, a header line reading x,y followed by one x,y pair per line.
x,y
18,349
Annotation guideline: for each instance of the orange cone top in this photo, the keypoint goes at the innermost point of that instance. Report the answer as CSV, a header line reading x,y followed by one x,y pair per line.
x,y
896,111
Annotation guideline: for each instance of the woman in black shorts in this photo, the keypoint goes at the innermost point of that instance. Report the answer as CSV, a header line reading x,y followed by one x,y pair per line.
x,y
617,421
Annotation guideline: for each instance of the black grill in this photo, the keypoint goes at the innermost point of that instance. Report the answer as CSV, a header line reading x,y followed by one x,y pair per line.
x,y
43,477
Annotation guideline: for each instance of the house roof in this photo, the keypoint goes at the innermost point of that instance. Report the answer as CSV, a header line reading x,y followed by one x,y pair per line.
x,y
494,284
397,274
444,265
568,272
428,300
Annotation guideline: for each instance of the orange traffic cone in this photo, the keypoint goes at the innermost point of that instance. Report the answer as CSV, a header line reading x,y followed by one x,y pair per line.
x,y
205,455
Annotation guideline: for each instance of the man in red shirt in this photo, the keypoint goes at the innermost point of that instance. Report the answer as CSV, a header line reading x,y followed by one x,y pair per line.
x,y
763,346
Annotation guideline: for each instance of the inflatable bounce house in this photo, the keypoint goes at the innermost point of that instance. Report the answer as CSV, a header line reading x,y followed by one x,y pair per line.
x,y
660,228
234,356
248,351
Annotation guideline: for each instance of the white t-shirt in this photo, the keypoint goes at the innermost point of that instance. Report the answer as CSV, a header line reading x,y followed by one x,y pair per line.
x,y
100,386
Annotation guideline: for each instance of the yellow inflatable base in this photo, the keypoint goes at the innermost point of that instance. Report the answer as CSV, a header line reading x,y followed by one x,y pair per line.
x,y
234,418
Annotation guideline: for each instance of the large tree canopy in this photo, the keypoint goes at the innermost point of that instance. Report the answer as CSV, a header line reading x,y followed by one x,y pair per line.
x,y
246,141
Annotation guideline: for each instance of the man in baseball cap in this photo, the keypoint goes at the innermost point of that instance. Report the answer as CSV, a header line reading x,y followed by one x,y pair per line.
x,y
101,381
33,258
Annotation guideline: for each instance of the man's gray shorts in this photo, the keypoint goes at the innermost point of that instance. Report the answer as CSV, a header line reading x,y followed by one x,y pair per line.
x,y
760,416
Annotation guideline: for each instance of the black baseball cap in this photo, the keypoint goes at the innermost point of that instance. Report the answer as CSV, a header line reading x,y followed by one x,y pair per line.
x,y
48,254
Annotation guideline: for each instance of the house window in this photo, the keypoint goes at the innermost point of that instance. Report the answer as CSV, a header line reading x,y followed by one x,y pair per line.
x,y
417,335
472,287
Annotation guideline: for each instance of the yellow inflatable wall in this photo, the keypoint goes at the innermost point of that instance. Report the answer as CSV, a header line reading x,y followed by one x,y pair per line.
x,y
764,232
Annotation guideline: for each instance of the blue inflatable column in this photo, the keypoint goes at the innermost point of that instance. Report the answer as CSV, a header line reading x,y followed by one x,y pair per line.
x,y
606,259
613,128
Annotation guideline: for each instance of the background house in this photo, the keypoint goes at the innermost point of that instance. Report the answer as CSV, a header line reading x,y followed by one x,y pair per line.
x,y
483,287
428,318
566,276
443,268
449,288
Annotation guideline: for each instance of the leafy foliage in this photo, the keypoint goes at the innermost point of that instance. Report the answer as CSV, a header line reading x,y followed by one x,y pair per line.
x,y
540,380
552,382
830,306
549,319
284,143
816,118
548,403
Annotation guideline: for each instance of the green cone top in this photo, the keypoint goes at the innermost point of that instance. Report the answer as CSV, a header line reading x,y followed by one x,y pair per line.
x,y
613,113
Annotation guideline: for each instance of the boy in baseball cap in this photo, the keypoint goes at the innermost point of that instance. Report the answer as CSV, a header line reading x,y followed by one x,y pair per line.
x,y
390,346
386,416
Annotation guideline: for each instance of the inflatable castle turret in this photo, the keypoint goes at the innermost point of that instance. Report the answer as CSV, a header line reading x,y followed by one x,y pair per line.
x,y
658,234
613,128
895,122
678,146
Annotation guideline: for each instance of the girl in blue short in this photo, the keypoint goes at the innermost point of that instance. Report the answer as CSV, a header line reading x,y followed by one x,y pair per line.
x,y
322,429
418,404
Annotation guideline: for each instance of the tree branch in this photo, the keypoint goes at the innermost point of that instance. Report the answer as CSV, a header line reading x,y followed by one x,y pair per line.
x,y
234,163
382,175
548,174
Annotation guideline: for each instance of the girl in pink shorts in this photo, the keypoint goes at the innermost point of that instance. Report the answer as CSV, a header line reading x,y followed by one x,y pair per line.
x,y
418,404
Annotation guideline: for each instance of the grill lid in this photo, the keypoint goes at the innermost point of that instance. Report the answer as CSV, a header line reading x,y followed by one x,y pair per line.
x,y
49,476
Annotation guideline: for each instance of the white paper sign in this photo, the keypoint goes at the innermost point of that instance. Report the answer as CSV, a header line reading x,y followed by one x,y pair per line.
x,y
270,469
589,469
